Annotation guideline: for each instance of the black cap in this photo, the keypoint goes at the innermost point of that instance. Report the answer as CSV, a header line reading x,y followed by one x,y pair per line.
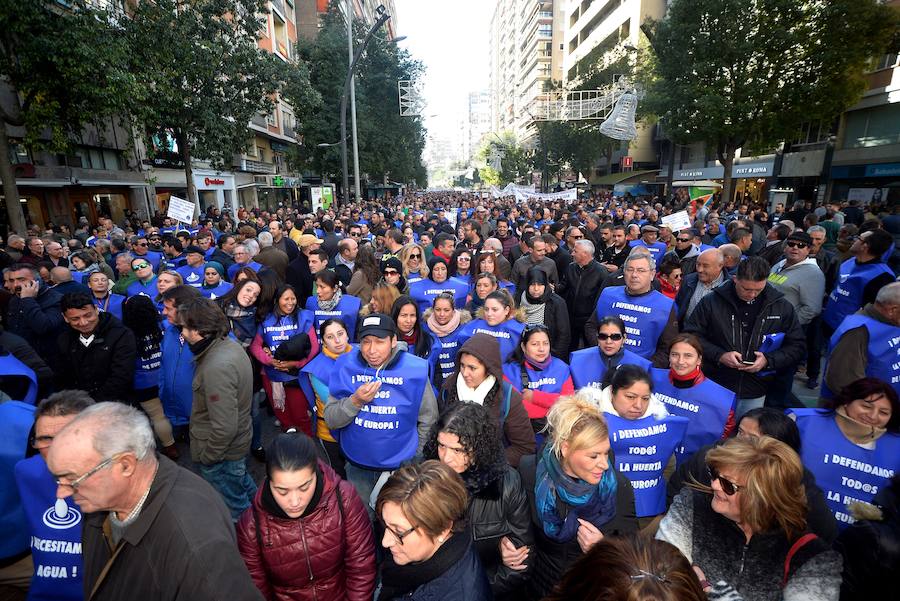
x,y
378,325
801,236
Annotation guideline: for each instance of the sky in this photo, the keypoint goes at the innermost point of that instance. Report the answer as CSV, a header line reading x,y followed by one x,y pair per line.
x,y
451,38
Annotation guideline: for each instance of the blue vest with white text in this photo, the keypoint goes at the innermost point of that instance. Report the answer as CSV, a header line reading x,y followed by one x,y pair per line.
x,y
589,370
846,298
275,330
549,380
137,287
347,310
217,291
443,353
845,471
507,333
384,433
232,270
657,249
882,354
706,405
154,257
192,276
147,370
642,448
12,367
55,529
425,291
112,303
645,316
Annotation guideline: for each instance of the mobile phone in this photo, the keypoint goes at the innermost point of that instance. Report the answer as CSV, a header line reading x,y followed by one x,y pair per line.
x,y
745,362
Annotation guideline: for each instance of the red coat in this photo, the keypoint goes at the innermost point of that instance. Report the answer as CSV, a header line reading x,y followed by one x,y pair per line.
x,y
328,555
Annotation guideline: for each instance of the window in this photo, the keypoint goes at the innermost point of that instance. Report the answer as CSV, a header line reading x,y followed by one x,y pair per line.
x,y
886,61
877,126
272,119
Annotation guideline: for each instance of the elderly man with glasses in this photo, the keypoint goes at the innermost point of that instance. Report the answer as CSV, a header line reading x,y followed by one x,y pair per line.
x,y
144,516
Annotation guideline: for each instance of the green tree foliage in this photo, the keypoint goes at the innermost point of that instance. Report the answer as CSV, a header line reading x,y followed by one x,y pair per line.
x,y
735,73
63,69
390,146
516,162
204,76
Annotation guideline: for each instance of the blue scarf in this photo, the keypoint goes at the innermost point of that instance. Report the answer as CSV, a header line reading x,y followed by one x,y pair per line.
x,y
552,488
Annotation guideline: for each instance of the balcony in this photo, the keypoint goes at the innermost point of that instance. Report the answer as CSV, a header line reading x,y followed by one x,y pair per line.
x,y
251,166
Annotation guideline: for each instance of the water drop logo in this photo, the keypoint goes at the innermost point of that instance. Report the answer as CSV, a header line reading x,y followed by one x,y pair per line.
x,y
61,516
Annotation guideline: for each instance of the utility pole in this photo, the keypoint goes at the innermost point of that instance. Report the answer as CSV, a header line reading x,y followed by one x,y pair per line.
x,y
349,11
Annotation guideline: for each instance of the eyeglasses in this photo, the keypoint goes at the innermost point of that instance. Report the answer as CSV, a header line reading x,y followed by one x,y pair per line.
x,y
139,266
142,244
399,535
74,484
683,239
577,237
613,337
636,270
728,487
391,272
458,259
793,244
415,256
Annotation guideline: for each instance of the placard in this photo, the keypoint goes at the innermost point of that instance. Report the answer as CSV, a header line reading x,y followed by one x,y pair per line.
x,y
180,210
677,221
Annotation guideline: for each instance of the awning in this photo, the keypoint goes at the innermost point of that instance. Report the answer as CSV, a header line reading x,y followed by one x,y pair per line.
x,y
625,177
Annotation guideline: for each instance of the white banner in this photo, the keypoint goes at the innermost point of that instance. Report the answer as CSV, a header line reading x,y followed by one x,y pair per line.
x,y
180,210
677,221
571,194
315,194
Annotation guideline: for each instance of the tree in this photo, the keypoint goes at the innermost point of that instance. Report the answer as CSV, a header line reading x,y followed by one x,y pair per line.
x,y
204,76
63,69
732,73
516,161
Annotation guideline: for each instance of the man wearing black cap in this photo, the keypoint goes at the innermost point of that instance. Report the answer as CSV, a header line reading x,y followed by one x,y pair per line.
x,y
192,271
381,405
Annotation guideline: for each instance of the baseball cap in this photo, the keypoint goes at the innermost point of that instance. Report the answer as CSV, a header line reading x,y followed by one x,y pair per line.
x,y
307,239
801,236
194,249
378,325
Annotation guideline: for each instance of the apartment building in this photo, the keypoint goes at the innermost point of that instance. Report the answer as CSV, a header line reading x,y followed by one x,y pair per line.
x,y
309,14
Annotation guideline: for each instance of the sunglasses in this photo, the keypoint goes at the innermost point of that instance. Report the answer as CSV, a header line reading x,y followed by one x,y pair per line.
x,y
793,244
614,337
463,259
728,487
683,239
142,244
139,266
391,272
415,256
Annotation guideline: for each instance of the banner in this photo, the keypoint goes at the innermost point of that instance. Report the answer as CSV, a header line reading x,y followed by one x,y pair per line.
x,y
677,221
327,197
315,196
180,210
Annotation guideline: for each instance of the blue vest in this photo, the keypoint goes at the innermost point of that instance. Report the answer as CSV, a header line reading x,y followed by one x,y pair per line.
x,y
146,371
16,419
314,379
642,448
176,377
111,304
10,366
234,268
383,435
507,333
275,330
413,279
216,292
346,310
706,406
589,370
645,316
549,380
55,529
192,276
425,291
844,471
657,249
443,352
846,298
882,354
137,287
154,257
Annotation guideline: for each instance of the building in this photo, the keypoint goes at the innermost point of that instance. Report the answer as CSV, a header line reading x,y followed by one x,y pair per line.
x,y
309,14
478,123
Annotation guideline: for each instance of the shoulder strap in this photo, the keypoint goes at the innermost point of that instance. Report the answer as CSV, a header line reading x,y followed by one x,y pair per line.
x,y
798,544
524,376
504,405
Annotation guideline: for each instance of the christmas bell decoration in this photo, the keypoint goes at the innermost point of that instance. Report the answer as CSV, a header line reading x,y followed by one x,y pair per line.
x,y
620,123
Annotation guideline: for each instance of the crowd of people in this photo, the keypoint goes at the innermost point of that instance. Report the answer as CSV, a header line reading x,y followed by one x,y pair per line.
x,y
475,398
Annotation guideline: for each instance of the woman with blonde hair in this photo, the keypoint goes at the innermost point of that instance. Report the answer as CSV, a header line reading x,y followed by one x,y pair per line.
x,y
421,508
575,495
412,257
382,300
747,532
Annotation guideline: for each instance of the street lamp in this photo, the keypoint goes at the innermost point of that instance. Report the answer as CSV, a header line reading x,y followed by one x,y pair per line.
x,y
382,17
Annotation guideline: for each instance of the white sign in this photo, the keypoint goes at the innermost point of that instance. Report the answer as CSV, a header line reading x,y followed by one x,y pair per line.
x,y
180,210
315,195
677,221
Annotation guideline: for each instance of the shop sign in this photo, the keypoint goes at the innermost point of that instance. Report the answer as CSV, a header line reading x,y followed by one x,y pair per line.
x,y
213,181
753,170
278,146
883,170
278,181
700,173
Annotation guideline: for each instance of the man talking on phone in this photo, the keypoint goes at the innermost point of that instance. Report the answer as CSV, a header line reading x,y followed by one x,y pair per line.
x,y
748,330
34,310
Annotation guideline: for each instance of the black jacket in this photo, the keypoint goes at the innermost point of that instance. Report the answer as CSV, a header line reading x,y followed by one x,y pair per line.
x,y
300,277
222,257
580,288
38,320
830,266
562,258
715,322
501,509
105,368
772,253
550,559
689,285
556,318
21,350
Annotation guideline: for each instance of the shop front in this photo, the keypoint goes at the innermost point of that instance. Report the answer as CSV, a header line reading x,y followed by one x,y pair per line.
x,y
867,183
751,181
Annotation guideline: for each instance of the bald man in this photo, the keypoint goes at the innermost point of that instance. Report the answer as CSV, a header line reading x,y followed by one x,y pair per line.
x,y
733,256
64,283
710,275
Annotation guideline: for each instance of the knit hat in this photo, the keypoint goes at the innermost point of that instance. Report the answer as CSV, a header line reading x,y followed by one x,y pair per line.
x,y
486,349
391,262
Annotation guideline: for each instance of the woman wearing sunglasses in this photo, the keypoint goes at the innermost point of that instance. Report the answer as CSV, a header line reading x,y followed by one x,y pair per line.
x,y
593,367
746,534
461,264
412,257
438,281
422,509
537,375
687,392
146,280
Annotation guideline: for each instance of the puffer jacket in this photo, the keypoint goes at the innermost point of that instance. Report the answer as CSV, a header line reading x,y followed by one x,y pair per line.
x,y
327,555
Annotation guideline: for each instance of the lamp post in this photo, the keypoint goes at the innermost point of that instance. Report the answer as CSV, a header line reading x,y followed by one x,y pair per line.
x,y
381,18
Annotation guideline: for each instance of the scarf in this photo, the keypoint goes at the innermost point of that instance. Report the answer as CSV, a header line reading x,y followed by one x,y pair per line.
x,y
476,303
686,381
858,433
443,330
333,356
534,313
329,305
242,321
474,395
201,345
410,339
561,499
400,581
542,365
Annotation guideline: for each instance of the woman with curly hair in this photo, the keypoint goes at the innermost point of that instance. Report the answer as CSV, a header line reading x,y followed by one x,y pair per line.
x,y
467,440
412,257
139,315
461,263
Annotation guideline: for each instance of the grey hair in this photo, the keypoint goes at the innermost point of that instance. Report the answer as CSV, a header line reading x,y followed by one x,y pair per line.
x,y
117,428
816,229
252,247
495,244
587,244
636,254
265,239
889,295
